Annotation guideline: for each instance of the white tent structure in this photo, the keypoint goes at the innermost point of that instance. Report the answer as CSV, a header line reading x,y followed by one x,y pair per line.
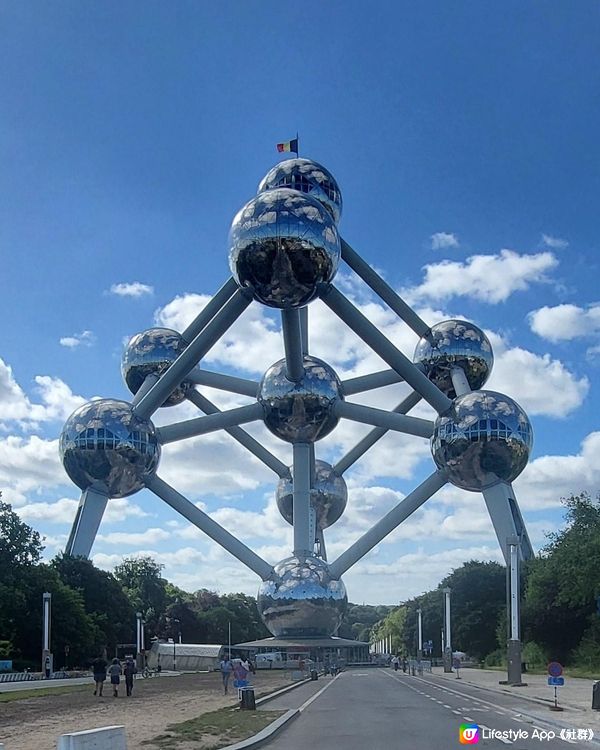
x,y
186,657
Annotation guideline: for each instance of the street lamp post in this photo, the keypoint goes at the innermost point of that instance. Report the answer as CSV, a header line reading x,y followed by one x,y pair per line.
x,y
173,619
420,631
514,601
447,631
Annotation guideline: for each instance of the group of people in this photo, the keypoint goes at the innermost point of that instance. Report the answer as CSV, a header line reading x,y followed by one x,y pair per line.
x,y
115,670
397,662
240,669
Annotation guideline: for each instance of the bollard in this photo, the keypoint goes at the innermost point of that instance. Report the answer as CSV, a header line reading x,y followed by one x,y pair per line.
x,y
247,702
596,695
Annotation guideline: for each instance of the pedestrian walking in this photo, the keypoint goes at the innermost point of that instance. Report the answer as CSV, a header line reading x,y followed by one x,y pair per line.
x,y
129,670
395,662
115,676
99,671
226,670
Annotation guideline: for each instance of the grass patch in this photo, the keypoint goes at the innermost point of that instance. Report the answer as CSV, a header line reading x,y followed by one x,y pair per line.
x,y
20,695
215,729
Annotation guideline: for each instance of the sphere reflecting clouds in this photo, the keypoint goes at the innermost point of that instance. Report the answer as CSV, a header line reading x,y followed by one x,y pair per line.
x,y
105,446
302,601
151,353
282,245
309,177
300,412
328,496
485,437
453,343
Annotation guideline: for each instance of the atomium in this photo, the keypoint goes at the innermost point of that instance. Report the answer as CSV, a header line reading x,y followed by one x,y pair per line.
x,y
151,353
328,495
300,412
308,177
284,252
105,446
302,600
455,343
283,245
485,438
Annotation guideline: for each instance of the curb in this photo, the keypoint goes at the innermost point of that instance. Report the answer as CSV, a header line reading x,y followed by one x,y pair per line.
x,y
275,726
267,733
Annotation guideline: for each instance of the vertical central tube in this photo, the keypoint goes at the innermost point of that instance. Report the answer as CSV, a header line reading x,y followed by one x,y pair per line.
x,y
514,592
303,544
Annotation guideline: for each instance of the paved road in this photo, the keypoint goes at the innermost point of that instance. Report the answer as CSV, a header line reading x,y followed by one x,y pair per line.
x,y
383,710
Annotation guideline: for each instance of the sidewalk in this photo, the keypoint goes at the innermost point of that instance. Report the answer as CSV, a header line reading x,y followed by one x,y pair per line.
x,y
575,697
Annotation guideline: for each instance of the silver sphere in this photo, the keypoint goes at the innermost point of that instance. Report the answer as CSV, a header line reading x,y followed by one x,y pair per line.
x,y
455,343
151,353
309,177
328,496
302,601
300,412
105,446
282,245
485,437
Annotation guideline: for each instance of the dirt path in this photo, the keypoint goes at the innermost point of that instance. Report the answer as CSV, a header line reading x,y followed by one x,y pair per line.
x,y
36,723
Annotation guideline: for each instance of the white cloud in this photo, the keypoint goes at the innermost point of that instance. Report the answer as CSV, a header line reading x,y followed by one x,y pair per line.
x,y
29,465
148,536
565,322
133,289
554,242
488,278
58,401
63,511
443,240
540,384
85,338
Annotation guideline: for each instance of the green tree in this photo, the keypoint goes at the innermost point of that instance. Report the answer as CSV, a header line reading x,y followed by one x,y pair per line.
x,y
104,600
145,588
564,582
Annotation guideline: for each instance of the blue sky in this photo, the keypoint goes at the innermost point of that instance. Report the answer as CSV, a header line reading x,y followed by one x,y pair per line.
x,y
464,139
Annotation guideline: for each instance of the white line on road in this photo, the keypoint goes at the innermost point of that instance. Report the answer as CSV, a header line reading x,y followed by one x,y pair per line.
x,y
446,705
454,711
316,695
468,718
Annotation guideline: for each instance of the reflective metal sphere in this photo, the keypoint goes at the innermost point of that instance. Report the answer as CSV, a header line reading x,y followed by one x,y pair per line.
x,y
104,446
302,601
300,412
485,437
151,353
309,177
328,496
282,245
454,343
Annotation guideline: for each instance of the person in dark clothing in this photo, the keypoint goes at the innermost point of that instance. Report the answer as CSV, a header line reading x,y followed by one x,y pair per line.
x,y
115,672
99,670
129,670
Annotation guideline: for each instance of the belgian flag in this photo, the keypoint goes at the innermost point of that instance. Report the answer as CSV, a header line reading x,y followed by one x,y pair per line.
x,y
289,146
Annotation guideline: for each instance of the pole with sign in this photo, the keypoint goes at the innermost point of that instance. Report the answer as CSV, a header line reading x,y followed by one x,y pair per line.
x,y
555,680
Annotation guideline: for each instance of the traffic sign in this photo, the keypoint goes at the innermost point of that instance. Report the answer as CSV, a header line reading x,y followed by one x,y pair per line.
x,y
554,681
555,669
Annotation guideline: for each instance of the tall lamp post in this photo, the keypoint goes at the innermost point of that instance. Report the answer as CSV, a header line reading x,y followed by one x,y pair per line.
x,y
514,601
175,644
420,634
447,631
47,657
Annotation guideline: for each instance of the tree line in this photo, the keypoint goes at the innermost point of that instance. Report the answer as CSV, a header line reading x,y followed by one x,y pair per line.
x,y
560,613
94,610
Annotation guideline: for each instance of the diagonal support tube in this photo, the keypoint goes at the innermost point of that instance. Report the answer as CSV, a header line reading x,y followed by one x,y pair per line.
x,y
389,420
241,436
384,290
223,382
211,528
92,505
201,425
370,334
506,517
190,357
292,341
387,524
373,436
369,382
208,312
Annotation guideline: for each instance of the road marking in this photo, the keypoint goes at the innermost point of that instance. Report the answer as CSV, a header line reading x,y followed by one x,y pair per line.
x,y
502,739
454,711
468,718
307,703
